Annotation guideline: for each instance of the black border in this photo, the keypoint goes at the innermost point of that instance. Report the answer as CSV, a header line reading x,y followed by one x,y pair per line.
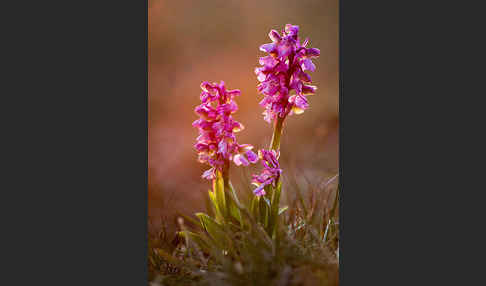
x,y
77,142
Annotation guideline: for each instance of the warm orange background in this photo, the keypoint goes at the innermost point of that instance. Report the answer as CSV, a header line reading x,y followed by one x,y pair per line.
x,y
193,41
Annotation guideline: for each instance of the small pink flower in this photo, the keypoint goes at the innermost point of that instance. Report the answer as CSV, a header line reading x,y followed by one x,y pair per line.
x,y
271,171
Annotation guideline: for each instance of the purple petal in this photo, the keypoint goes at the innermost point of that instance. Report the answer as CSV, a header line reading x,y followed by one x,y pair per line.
x,y
281,67
307,64
268,61
269,48
261,77
203,157
234,92
301,102
208,87
228,108
259,191
309,89
244,160
216,162
221,86
306,41
205,111
201,147
312,52
284,49
204,96
266,100
292,99
209,174
240,159
222,147
291,29
245,147
305,77
274,36
197,122
296,84
268,116
237,127
252,157
205,85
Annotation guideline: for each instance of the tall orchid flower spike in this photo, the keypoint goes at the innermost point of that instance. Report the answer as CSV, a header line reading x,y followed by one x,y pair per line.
x,y
271,171
216,143
284,70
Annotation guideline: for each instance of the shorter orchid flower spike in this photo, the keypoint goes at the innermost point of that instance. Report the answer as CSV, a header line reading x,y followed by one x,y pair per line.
x,y
216,143
271,171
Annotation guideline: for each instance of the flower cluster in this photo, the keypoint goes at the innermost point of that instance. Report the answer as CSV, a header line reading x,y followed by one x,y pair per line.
x,y
216,142
271,171
283,70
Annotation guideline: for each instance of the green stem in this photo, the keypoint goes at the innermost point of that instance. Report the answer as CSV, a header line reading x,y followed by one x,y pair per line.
x,y
275,192
226,188
219,196
231,199
225,175
277,133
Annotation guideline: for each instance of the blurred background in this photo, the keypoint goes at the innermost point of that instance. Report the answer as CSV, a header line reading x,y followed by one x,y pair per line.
x,y
212,40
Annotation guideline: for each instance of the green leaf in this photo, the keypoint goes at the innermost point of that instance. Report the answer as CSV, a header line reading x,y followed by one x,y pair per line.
x,y
264,210
265,238
274,212
218,187
234,197
217,211
215,231
198,239
234,204
255,208
190,219
235,213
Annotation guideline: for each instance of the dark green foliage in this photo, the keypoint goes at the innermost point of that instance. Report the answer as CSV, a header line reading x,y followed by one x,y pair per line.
x,y
254,243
